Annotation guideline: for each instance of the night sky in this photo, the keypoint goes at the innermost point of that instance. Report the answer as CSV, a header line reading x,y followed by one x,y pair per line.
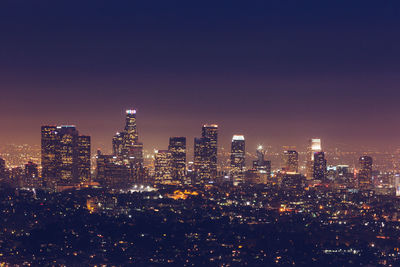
x,y
278,72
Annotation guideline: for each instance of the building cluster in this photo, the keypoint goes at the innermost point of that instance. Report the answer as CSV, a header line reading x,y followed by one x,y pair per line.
x,y
66,162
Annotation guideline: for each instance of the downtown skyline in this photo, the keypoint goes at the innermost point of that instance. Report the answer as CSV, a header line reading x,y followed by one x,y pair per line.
x,y
199,133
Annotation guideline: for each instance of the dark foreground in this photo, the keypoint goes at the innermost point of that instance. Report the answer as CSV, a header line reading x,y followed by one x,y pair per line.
x,y
213,226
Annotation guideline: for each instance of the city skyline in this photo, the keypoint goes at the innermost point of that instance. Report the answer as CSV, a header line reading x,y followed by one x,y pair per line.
x,y
199,133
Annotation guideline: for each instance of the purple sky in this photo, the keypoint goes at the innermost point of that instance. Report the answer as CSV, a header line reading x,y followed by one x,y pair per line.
x,y
279,73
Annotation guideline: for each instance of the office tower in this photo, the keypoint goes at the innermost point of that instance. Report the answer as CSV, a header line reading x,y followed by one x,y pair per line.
x,y
65,156
262,166
291,161
313,147
319,171
365,172
84,159
68,145
210,131
130,126
177,147
50,160
118,143
237,158
201,164
132,149
31,178
130,152
163,166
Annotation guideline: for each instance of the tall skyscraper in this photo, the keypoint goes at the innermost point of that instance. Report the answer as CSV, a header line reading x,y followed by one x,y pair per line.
x,y
177,147
128,150
210,131
163,166
237,158
291,161
319,172
313,147
68,148
132,149
365,172
84,159
130,127
50,160
65,156
201,165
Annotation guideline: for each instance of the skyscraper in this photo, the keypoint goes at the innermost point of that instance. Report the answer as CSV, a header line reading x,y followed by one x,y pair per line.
x,y
68,149
237,158
163,166
130,127
177,147
65,156
128,150
291,161
365,172
313,147
84,159
201,165
50,160
210,131
319,171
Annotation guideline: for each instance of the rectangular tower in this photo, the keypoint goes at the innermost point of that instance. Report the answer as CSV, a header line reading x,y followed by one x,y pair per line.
x,y
237,158
210,131
177,147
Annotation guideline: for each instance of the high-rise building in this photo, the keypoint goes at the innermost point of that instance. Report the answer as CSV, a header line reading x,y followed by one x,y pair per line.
x,y
31,175
68,149
50,155
365,172
291,161
201,165
130,126
163,166
262,166
319,171
118,144
177,147
210,131
84,148
132,148
237,158
313,147
65,156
